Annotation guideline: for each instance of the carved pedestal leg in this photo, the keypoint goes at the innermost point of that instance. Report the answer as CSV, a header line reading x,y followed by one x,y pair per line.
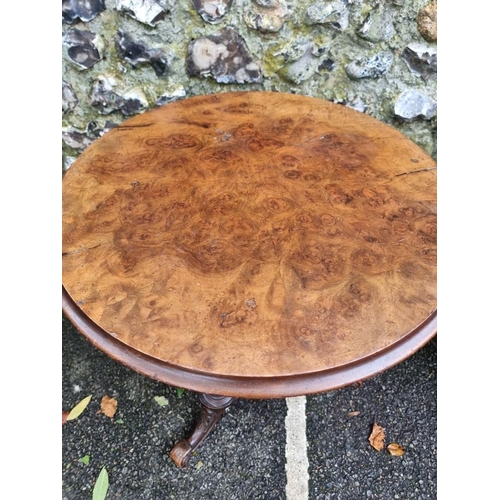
x,y
212,409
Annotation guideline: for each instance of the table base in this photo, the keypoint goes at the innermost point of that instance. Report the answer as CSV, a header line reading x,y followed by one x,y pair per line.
x,y
212,409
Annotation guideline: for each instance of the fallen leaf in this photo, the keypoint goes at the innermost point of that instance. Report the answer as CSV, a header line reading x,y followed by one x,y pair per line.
x,y
78,409
353,414
64,417
395,449
377,437
84,460
108,406
101,485
198,465
180,392
119,421
161,400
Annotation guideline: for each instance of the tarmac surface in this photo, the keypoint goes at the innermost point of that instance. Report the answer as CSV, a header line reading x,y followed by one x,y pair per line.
x,y
245,456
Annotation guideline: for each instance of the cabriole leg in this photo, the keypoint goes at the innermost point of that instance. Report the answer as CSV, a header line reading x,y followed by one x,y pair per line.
x,y
212,409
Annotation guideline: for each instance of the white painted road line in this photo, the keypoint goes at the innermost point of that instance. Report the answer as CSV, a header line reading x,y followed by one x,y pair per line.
x,y
297,464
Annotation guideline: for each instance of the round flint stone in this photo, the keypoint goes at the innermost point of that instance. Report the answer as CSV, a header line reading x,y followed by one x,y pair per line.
x,y
267,16
413,104
145,11
137,53
82,49
105,99
335,14
69,99
370,67
212,11
378,26
223,56
421,59
81,10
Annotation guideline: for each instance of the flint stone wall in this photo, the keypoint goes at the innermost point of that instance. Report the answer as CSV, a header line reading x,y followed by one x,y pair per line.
x,y
123,57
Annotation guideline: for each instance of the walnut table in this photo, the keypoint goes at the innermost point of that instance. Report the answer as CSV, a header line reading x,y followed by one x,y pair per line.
x,y
253,245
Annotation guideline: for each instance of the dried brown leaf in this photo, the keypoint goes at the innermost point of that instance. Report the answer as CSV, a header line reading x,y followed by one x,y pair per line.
x,y
395,449
108,406
64,416
377,437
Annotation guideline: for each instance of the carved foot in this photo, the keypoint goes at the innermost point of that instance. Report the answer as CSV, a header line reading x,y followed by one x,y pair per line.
x,y
212,409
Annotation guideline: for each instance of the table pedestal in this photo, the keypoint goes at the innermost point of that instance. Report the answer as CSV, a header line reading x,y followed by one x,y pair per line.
x,y
212,409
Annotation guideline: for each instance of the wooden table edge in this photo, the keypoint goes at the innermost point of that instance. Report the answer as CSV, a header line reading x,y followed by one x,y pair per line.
x,y
250,387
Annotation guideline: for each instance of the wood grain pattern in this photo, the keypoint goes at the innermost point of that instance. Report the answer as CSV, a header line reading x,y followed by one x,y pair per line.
x,y
252,234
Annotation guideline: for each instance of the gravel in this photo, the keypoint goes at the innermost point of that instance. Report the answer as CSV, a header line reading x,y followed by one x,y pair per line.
x,y
244,457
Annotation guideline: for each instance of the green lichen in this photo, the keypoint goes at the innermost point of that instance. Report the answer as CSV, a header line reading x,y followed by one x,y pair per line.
x,y
273,59
183,24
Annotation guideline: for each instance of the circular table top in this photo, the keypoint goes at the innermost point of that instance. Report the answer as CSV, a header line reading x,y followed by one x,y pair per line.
x,y
252,244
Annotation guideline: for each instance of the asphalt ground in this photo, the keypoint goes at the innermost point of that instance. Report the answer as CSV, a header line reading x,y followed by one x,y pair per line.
x,y
245,456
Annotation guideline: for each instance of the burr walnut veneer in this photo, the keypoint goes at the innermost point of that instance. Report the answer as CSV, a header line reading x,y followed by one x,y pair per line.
x,y
251,244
